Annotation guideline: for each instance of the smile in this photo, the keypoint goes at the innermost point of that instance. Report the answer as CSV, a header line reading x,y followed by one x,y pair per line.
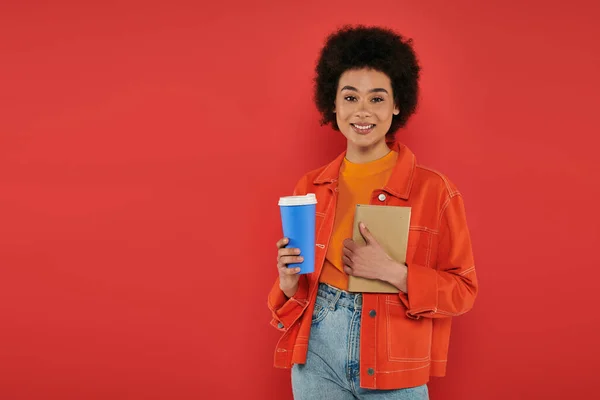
x,y
361,128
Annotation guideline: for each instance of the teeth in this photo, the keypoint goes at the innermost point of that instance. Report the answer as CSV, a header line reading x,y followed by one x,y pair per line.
x,y
364,127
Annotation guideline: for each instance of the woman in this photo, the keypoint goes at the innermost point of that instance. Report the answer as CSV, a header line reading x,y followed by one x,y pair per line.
x,y
343,345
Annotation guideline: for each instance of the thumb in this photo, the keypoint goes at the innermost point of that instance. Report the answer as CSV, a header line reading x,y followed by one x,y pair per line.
x,y
367,235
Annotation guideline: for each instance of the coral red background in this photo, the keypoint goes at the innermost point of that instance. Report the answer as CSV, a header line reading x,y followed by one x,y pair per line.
x,y
144,145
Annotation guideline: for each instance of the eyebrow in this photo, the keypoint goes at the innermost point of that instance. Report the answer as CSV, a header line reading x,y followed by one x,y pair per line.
x,y
370,91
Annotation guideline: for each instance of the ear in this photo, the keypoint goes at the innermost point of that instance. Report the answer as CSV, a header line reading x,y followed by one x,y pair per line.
x,y
396,110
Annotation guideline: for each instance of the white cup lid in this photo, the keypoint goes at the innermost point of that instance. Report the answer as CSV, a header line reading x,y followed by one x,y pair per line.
x,y
298,200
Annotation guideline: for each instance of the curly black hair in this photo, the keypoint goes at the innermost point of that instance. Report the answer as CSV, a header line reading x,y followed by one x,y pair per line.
x,y
380,49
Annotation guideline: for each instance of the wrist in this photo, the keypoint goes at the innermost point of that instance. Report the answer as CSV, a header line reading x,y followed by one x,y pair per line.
x,y
289,292
396,274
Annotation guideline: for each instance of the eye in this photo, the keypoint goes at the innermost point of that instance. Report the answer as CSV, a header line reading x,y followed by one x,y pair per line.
x,y
350,98
377,99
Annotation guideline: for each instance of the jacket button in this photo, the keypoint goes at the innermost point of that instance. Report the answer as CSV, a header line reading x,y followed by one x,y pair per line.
x,y
371,371
372,313
280,325
381,197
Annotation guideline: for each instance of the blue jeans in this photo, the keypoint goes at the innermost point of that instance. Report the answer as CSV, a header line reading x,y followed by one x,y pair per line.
x,y
332,366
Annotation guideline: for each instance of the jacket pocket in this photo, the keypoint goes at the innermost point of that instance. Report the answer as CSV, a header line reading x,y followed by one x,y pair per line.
x,y
421,245
408,340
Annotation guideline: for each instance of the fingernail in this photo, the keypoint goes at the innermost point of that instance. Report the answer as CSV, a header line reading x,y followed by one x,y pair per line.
x,y
297,269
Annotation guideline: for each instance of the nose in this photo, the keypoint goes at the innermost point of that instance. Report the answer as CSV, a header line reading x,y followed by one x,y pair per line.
x,y
362,111
362,114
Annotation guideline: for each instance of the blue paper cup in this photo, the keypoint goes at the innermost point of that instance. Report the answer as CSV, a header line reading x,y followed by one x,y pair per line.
x,y
298,215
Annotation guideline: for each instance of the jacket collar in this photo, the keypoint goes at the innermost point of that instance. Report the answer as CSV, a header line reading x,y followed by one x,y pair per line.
x,y
400,181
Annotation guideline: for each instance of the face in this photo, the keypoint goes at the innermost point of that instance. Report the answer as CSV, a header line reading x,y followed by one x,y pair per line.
x,y
364,107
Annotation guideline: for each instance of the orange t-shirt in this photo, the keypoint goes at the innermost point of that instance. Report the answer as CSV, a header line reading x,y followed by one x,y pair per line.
x,y
356,185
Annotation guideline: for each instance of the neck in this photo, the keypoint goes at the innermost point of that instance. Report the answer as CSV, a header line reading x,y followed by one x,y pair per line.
x,y
361,155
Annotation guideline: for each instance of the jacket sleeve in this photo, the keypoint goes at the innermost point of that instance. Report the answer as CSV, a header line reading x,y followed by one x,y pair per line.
x,y
450,288
286,311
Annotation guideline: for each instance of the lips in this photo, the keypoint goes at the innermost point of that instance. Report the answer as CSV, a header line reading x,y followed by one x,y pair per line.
x,y
363,129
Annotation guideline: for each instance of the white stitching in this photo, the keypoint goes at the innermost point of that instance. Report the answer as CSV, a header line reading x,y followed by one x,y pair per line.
x,y
467,271
430,245
402,370
451,192
313,293
424,359
451,314
375,355
412,176
443,210
389,341
422,310
387,321
423,229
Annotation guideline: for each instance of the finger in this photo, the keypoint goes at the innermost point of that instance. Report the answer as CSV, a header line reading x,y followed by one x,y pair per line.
x,y
347,261
288,252
349,244
347,252
290,260
282,242
348,270
366,234
289,271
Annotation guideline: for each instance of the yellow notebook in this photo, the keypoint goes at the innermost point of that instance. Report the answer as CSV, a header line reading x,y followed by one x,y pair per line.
x,y
389,226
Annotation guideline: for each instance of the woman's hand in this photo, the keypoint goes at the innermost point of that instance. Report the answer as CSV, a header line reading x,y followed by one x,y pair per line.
x,y
288,277
372,262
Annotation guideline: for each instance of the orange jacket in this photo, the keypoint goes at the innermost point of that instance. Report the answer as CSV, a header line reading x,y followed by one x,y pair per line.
x,y
406,339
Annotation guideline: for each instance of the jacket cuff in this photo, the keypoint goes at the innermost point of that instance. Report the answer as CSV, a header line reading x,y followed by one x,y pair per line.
x,y
422,289
287,311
